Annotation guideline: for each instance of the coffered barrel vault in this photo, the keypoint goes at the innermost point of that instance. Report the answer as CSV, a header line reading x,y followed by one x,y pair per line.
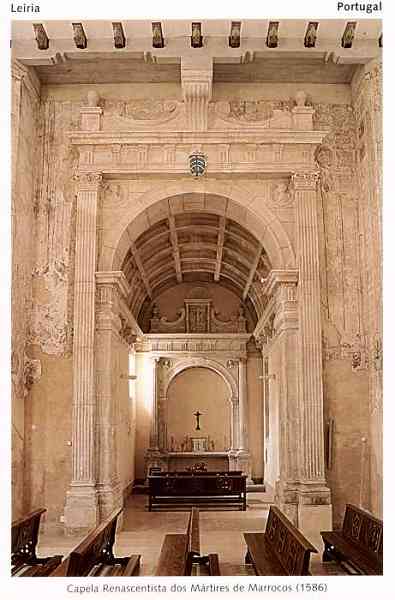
x,y
195,246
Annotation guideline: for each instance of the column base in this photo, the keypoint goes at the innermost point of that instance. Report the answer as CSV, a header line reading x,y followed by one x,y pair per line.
x,y
109,499
240,460
154,458
308,506
81,511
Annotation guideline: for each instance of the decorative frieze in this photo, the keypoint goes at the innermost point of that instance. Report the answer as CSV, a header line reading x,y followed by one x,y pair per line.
x,y
151,157
234,344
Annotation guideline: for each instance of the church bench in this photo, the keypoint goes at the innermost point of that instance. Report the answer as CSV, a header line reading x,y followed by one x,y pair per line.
x,y
94,555
280,550
216,488
24,538
181,550
358,546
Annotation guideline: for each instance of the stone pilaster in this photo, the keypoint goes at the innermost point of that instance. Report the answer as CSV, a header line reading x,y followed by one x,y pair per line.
x,y
154,438
81,510
111,286
312,490
243,405
197,80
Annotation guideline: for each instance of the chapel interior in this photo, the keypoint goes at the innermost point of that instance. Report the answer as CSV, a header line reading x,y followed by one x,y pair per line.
x,y
196,275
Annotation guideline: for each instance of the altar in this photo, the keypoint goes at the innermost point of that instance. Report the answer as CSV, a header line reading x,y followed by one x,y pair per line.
x,y
214,461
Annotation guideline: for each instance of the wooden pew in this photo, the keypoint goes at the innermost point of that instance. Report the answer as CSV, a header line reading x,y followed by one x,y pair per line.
x,y
280,550
94,555
24,538
358,546
181,550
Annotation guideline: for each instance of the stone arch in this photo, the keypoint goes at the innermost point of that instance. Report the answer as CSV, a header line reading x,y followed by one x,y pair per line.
x,y
243,206
206,363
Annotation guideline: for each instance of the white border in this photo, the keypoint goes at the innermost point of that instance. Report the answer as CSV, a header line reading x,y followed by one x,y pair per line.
x,y
339,587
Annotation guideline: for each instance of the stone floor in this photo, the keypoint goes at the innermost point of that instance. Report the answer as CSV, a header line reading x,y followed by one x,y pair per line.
x,y
220,532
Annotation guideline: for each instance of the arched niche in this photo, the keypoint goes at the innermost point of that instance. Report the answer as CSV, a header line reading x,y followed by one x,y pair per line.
x,y
229,384
203,390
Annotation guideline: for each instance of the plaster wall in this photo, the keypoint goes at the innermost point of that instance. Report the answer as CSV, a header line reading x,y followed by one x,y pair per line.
x,y
272,449
255,414
125,421
199,389
144,409
48,429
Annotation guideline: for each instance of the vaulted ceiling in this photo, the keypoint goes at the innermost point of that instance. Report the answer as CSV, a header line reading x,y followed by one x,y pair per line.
x,y
196,246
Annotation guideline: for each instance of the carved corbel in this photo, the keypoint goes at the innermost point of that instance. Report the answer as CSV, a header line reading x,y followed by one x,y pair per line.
x,y
126,332
197,80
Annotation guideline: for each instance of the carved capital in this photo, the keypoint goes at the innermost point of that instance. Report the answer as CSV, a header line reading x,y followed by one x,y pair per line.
x,y
89,182
305,181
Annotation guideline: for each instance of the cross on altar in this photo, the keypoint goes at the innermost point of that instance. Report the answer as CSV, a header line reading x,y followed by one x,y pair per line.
x,y
197,414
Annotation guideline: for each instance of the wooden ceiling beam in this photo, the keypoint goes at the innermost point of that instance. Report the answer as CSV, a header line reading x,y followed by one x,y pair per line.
x,y
176,249
140,267
253,269
220,248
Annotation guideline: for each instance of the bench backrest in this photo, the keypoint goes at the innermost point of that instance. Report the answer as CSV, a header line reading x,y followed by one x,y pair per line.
x,y
365,531
24,534
193,532
289,546
197,484
94,548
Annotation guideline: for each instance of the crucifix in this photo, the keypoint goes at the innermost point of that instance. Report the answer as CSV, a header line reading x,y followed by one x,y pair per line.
x,y
197,414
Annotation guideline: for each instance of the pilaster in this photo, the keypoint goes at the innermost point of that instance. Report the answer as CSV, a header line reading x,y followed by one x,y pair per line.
x,y
81,510
313,495
111,287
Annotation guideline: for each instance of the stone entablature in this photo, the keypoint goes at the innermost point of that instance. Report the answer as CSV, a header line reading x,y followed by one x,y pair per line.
x,y
265,151
234,345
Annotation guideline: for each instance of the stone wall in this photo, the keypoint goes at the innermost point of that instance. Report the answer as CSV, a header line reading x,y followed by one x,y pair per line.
x,y
344,335
367,102
204,390
24,368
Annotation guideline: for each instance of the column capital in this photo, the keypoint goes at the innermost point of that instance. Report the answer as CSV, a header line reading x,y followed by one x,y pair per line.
x,y
90,182
305,180
113,279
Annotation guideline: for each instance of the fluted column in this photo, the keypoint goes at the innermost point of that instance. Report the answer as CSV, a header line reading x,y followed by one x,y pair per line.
x,y
312,489
310,345
81,510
